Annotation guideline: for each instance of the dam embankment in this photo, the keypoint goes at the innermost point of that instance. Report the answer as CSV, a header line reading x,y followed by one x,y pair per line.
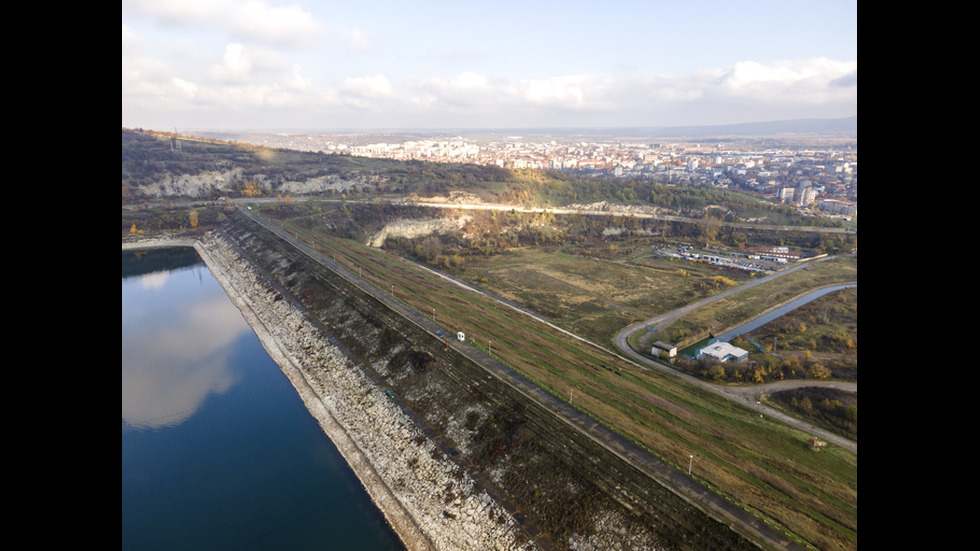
x,y
452,456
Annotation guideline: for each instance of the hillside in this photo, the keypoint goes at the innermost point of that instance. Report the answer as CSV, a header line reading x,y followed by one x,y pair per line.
x,y
159,166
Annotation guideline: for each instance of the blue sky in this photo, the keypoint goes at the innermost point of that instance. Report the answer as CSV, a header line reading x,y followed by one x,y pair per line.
x,y
321,65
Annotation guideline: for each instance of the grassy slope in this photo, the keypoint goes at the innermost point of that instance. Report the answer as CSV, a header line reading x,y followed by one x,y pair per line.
x,y
763,465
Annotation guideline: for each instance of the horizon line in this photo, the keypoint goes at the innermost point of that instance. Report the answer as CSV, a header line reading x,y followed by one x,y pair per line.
x,y
537,129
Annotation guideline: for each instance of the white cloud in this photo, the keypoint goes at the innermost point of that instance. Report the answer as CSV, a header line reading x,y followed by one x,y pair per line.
x,y
465,91
154,280
744,92
573,92
250,80
176,12
253,20
235,66
806,81
168,375
563,91
295,79
132,41
289,25
371,87
189,89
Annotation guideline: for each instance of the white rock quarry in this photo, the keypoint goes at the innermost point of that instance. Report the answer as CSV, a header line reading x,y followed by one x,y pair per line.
x,y
417,227
200,184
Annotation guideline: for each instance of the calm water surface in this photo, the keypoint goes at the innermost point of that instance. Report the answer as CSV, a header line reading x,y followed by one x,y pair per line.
x,y
218,450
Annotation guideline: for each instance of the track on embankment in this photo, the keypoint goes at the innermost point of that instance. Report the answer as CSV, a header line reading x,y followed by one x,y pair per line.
x,y
554,475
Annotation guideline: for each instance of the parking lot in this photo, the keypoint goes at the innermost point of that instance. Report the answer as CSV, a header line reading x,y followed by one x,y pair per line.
x,y
753,262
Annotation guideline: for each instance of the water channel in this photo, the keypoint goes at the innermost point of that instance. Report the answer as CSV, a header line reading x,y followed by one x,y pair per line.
x,y
218,450
782,310
691,351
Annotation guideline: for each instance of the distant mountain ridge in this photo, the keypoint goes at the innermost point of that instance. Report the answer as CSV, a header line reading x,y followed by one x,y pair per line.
x,y
843,126
846,127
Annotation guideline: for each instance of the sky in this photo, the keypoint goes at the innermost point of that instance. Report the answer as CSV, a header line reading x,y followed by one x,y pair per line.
x,y
427,64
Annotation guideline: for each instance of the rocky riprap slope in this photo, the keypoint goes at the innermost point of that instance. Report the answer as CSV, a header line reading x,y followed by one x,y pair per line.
x,y
456,459
430,501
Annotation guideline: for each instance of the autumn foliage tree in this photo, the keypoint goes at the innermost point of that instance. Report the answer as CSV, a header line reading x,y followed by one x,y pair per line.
x,y
251,189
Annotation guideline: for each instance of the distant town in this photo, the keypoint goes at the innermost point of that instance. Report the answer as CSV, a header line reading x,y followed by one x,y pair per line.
x,y
820,175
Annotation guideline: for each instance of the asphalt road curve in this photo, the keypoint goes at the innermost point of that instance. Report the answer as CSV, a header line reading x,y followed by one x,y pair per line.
x,y
748,395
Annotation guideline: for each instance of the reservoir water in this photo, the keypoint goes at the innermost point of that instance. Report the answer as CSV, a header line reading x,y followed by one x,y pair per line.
x,y
218,450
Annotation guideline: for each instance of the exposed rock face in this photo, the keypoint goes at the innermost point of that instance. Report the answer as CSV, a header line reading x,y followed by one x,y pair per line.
x,y
417,228
324,184
226,181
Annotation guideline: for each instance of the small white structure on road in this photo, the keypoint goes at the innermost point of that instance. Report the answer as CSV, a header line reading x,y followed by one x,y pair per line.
x,y
723,352
460,336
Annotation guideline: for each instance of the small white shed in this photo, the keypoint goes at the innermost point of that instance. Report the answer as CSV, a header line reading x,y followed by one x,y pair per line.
x,y
670,349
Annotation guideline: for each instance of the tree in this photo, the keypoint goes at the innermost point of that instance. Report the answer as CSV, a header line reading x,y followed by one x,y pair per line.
x,y
252,189
818,371
708,227
193,218
715,372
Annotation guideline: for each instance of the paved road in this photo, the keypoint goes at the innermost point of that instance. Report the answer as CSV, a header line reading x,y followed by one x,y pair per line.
x,y
750,394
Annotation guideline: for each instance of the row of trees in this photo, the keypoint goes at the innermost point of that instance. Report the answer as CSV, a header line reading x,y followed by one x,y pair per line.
x,y
766,369
168,220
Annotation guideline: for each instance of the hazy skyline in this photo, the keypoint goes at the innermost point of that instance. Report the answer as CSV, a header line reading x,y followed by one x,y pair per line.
x,y
305,64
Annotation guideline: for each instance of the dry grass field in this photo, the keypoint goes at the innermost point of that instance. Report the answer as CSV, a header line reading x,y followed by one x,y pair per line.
x,y
591,296
763,465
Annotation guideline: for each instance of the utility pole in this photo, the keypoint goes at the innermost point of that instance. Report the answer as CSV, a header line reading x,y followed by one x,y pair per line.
x,y
689,465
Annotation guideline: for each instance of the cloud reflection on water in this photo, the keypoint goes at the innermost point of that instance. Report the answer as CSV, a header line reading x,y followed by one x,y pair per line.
x,y
176,359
